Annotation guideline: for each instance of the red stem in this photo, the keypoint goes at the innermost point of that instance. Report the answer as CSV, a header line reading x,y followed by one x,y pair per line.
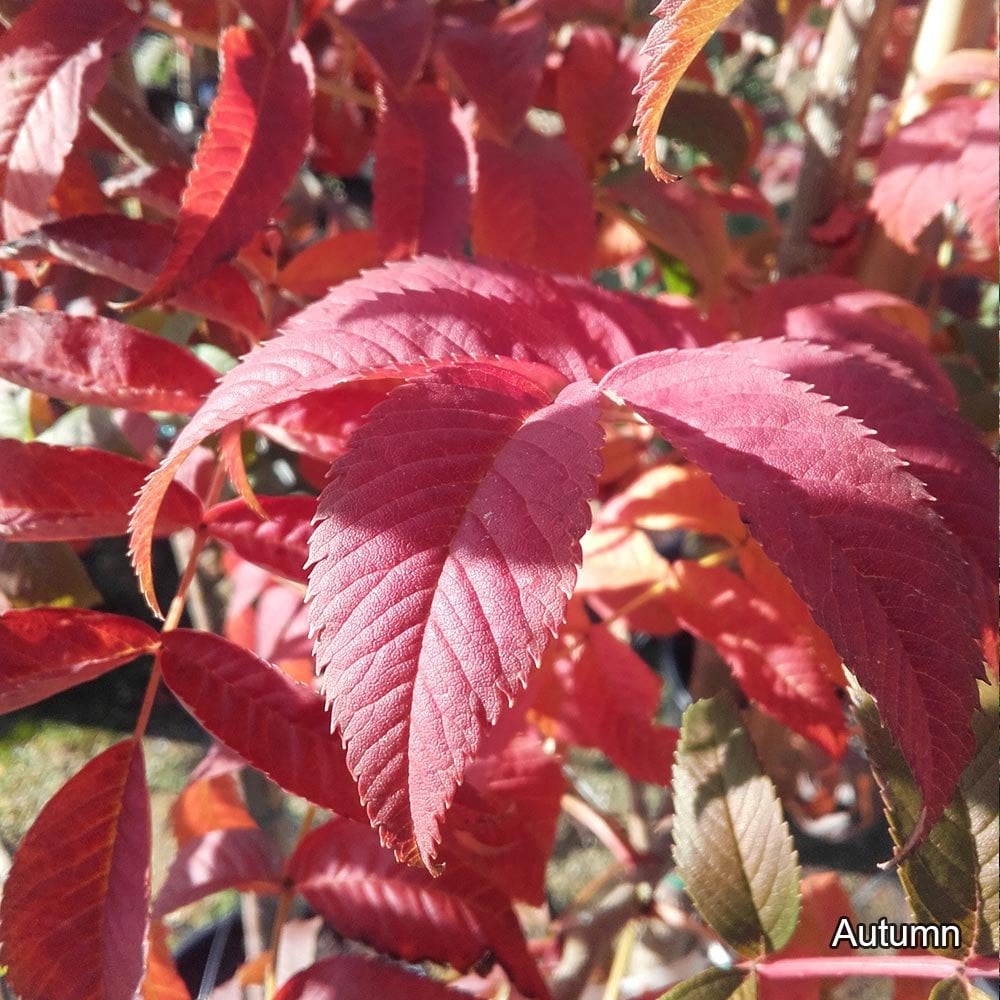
x,y
900,966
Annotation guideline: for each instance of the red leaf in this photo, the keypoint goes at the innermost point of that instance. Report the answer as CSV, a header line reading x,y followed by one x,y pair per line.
x,y
73,915
53,61
673,42
159,188
896,350
49,493
502,823
133,252
89,359
499,66
940,449
236,858
594,93
253,144
330,261
354,977
421,185
277,725
600,694
395,34
320,423
776,666
532,204
446,545
47,650
390,323
279,544
847,525
345,875
946,155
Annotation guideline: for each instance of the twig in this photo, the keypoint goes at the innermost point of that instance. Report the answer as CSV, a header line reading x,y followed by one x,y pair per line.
x,y
843,85
619,966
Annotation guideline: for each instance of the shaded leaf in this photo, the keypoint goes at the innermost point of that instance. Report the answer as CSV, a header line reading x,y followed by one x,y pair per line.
x,y
279,544
594,92
73,915
502,823
715,984
678,218
850,528
598,693
355,977
499,66
53,61
254,141
446,545
532,204
731,844
946,155
133,252
234,858
951,877
683,28
395,34
90,359
45,650
274,723
790,674
940,449
715,124
421,185
956,988
49,493
33,574
403,911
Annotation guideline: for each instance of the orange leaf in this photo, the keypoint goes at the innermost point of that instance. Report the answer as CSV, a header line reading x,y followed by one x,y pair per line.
x,y
162,980
208,804
673,42
314,270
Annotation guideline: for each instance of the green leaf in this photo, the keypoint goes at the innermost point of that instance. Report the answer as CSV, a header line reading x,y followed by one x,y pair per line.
x,y
715,984
36,574
731,844
956,989
952,877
